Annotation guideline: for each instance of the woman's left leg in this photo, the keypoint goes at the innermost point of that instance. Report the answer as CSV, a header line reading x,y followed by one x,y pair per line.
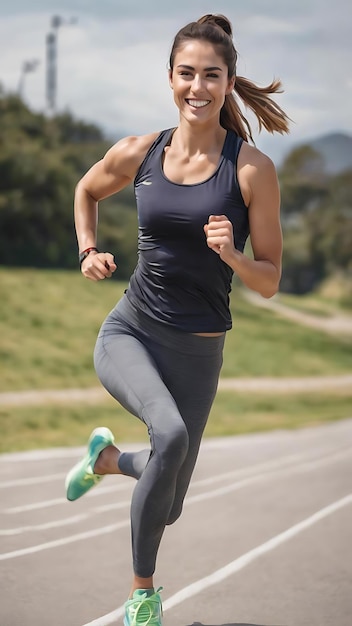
x,y
191,373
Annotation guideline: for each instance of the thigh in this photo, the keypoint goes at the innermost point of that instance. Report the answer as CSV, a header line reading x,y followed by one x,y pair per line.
x,y
128,371
192,378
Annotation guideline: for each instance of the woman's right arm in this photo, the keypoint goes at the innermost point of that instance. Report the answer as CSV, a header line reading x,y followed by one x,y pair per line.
x,y
114,172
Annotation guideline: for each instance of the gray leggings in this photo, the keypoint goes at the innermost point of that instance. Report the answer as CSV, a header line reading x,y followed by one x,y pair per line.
x,y
168,379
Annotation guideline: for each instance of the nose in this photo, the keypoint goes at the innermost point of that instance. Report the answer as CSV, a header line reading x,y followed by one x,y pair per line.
x,y
197,84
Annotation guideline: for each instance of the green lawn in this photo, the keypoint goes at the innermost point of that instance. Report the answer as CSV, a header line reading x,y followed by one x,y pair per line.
x,y
48,325
49,321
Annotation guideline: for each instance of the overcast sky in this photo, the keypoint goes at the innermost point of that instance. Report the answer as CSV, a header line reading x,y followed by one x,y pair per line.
x,y
112,62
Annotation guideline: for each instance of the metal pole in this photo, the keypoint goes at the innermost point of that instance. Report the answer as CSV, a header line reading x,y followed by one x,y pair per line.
x,y
51,69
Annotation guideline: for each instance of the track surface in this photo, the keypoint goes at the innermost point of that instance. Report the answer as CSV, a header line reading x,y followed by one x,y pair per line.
x,y
264,539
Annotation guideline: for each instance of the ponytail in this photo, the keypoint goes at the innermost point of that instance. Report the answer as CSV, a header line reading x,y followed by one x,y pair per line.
x,y
268,113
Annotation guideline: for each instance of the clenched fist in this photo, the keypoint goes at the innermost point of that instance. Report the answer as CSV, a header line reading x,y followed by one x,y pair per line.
x,y
220,238
98,265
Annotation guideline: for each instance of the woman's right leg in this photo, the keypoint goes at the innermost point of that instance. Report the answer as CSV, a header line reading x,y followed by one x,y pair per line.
x,y
128,372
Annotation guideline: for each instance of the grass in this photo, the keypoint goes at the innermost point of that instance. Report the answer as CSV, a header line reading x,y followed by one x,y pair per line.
x,y
48,325
26,428
49,321
308,304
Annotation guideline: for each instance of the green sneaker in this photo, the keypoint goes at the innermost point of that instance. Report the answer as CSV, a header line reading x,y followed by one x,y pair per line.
x,y
144,608
81,477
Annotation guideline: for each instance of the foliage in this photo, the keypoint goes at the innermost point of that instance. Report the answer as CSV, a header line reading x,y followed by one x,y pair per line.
x,y
41,160
317,221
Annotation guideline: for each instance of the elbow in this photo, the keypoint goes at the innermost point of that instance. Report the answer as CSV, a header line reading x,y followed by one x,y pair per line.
x,y
269,293
81,191
270,289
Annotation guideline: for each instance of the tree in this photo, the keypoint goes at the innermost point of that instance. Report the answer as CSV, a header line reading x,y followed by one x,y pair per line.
x,y
317,221
41,160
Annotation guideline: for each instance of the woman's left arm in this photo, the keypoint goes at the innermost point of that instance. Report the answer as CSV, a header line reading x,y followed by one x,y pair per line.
x,y
260,189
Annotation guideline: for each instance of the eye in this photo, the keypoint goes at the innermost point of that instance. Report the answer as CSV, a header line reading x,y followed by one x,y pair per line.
x,y
184,73
210,75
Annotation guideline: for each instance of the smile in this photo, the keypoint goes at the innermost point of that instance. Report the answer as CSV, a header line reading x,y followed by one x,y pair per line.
x,y
197,103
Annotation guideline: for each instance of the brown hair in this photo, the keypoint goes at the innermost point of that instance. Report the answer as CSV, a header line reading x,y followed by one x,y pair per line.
x,y
217,30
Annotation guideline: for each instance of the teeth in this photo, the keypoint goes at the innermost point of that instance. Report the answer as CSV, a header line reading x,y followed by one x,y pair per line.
x,y
198,103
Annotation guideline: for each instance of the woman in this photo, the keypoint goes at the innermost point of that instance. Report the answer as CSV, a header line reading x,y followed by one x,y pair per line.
x,y
201,189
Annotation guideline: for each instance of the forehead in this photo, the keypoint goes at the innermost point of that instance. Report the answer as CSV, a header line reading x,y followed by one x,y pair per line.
x,y
198,53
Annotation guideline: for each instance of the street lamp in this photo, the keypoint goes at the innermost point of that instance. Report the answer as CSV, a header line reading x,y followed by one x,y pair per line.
x,y
51,59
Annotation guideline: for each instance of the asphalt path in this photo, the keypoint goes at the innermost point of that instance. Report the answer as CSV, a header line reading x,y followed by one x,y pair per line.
x,y
265,538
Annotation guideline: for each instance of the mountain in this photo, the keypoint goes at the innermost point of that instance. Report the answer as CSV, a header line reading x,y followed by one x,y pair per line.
x,y
336,150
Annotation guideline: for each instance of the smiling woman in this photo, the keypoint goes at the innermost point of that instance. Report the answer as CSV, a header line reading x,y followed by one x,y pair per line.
x,y
201,190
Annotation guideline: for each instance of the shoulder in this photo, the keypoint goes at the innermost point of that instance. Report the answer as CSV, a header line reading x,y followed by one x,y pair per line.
x,y
256,172
252,157
128,153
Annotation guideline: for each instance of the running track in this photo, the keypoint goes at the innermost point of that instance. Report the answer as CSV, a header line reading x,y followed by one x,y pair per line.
x,y
265,538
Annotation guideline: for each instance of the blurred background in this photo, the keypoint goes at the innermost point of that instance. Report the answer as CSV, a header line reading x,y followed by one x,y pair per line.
x,y
77,76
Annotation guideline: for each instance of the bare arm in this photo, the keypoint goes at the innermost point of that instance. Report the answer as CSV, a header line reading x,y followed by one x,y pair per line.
x,y
260,189
114,172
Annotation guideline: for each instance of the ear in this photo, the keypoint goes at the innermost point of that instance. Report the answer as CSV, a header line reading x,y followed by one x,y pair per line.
x,y
170,79
230,85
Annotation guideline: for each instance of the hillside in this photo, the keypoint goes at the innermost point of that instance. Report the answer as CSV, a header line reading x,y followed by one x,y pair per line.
x,y
336,150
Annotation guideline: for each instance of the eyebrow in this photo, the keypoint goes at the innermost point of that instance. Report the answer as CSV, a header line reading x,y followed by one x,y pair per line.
x,y
206,69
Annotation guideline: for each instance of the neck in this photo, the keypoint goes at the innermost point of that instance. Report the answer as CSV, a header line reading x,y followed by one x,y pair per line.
x,y
198,138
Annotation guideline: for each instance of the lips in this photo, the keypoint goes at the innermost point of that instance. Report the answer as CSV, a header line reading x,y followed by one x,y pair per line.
x,y
197,104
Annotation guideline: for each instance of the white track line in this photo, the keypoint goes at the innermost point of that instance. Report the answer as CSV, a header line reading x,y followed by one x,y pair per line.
x,y
207,481
74,519
252,555
57,501
257,472
235,566
263,476
48,454
123,486
61,542
34,480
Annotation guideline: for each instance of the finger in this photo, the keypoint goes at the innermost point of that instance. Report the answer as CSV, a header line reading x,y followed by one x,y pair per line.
x,y
92,275
110,262
94,267
217,218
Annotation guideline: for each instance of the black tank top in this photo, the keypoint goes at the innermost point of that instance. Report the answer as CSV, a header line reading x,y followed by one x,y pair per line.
x,y
178,279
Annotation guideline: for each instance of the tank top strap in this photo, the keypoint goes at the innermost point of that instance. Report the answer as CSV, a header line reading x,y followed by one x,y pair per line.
x,y
232,146
155,151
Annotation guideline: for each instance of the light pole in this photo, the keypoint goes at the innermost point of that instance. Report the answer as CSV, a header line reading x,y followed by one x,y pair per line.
x,y
27,66
51,60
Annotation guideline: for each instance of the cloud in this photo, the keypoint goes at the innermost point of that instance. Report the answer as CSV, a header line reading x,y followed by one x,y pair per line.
x,y
112,63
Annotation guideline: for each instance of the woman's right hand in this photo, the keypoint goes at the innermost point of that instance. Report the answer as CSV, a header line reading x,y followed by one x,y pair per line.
x,y
98,265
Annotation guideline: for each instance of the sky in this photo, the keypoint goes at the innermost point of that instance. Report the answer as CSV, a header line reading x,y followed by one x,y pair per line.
x,y
112,60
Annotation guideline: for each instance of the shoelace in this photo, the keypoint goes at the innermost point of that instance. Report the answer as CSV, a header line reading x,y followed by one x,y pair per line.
x,y
91,476
144,609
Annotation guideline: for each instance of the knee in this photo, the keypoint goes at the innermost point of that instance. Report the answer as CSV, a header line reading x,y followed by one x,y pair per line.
x,y
173,446
174,514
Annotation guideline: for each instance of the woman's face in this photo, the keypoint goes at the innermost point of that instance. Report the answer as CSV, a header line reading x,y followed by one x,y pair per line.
x,y
200,81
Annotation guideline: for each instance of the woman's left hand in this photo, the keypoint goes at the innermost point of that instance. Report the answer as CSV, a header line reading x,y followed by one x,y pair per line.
x,y
219,234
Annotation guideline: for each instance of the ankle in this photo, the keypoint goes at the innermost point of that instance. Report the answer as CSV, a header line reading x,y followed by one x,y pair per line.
x,y
142,583
107,461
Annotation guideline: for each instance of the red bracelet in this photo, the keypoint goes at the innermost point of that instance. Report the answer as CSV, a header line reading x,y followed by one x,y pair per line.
x,y
83,255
